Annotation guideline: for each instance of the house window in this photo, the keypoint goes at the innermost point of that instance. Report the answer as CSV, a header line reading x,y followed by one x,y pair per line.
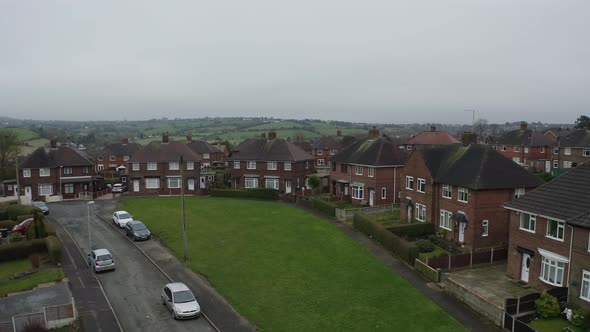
x,y
319,152
333,151
585,286
445,220
503,147
371,172
462,194
528,222
421,185
271,165
190,165
484,228
567,164
45,189
383,193
9,187
526,149
358,170
555,163
173,166
542,149
555,229
125,158
287,165
334,166
271,184
567,151
410,182
495,147
67,170
100,158
112,166
516,159
100,167
358,192
174,183
420,212
69,188
112,157
518,192
206,156
556,150
236,164
307,165
85,169
321,162
44,172
251,183
447,191
343,168
135,166
409,147
26,172
552,271
516,148
152,183
152,166
251,164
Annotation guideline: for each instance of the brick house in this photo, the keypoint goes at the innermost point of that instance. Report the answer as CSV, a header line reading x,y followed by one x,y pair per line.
x,y
550,236
58,170
369,170
156,169
461,190
557,133
572,150
272,162
527,147
328,146
111,161
430,137
211,154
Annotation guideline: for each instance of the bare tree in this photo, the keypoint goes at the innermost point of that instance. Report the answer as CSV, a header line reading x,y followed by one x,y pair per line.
x,y
480,127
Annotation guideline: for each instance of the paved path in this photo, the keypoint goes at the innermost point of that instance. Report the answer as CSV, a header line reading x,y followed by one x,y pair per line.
x,y
34,300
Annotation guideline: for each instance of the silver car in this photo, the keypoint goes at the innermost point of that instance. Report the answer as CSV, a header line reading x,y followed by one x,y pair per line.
x,y
179,299
101,260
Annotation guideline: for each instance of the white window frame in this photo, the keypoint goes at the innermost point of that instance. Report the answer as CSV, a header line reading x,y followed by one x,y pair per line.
x,y
547,267
420,212
9,187
333,151
321,162
532,221
447,188
272,183
68,188
135,166
271,165
112,157
251,183
485,228
409,182
567,151
236,164
100,167
585,286
68,170
152,166
526,149
174,183
516,148
555,163
251,164
567,164
503,147
586,152
519,192
560,226
152,183
26,172
44,172
45,189
287,165
462,191
125,158
556,150
206,155
358,192
383,192
190,165
358,170
173,166
445,221
371,172
421,188
542,149
319,152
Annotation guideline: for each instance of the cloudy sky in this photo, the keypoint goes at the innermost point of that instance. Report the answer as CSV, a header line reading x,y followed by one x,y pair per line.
x,y
365,61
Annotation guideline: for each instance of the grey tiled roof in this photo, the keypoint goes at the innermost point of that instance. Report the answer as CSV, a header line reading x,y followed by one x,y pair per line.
x,y
333,142
565,198
121,149
200,146
525,137
475,167
380,151
60,156
263,149
579,138
158,151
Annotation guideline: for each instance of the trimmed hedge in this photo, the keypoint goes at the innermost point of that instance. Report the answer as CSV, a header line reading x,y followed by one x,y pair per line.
x,y
54,249
258,193
325,207
412,232
20,250
8,224
22,218
20,210
406,250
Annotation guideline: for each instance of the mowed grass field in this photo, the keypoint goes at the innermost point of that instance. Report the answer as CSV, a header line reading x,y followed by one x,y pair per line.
x,y
287,270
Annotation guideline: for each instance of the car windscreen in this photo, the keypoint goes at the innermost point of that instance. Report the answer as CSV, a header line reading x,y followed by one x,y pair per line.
x,y
138,227
39,204
124,216
183,296
103,257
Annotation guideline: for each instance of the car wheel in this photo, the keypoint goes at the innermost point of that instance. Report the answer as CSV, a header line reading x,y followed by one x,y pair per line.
x,y
134,238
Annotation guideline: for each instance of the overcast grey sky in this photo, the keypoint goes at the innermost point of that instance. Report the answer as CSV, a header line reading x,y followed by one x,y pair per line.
x,y
363,61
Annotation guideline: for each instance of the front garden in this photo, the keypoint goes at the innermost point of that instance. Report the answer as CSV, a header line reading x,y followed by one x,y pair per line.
x,y
285,269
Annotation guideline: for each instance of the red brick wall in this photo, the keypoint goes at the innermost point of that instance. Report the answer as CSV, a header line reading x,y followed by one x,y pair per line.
x,y
576,156
162,172
416,168
326,155
54,178
298,171
384,177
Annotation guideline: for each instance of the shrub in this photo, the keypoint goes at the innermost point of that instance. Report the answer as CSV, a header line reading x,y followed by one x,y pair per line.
x,y
413,231
259,193
22,249
54,249
577,318
30,234
23,217
425,245
15,237
324,206
14,211
8,224
586,321
547,306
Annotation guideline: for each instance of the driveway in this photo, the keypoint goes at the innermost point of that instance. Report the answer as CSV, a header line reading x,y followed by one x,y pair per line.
x,y
34,301
133,289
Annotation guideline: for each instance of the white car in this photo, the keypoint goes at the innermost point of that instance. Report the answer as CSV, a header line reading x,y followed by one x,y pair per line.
x,y
121,218
179,299
101,260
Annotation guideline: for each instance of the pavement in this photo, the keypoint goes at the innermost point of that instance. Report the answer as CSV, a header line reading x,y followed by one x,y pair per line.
x,y
34,300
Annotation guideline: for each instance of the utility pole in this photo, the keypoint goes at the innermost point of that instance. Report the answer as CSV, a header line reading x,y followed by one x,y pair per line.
x,y
183,212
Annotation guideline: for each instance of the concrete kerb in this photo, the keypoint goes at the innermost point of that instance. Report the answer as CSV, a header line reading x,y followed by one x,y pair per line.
x,y
98,281
153,262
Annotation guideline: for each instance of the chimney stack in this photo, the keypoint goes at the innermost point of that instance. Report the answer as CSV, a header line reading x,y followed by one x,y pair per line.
x,y
272,134
189,137
432,128
125,140
165,137
338,132
263,135
523,125
373,133
53,143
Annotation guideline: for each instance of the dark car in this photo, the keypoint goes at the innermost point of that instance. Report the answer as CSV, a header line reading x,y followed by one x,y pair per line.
x,y
41,205
23,226
137,230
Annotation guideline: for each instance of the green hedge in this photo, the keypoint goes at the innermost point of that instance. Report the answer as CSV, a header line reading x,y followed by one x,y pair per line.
x,y
12,211
8,224
20,250
325,207
412,232
406,250
54,249
259,193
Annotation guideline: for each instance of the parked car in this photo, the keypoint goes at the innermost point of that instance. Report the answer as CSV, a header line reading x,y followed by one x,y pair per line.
x,y
101,260
137,230
179,299
41,205
121,218
23,226
119,188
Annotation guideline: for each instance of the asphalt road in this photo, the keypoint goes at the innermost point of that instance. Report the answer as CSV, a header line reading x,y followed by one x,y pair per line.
x,y
134,287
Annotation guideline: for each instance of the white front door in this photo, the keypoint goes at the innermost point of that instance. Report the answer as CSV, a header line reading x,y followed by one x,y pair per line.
x,y
191,184
136,186
462,231
15,191
526,265
409,208
345,190
287,186
28,192
547,166
202,184
371,197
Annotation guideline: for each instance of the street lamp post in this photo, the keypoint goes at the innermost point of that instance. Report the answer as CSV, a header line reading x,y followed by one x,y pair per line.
x,y
89,235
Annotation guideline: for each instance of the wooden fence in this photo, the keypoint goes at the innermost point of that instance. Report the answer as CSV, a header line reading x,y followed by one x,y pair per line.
x,y
484,256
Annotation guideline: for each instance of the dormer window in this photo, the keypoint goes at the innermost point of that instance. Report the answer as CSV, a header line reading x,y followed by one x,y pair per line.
x,y
319,152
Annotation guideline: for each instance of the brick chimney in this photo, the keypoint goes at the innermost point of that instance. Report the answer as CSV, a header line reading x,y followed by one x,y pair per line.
x,y
53,143
165,137
272,134
125,140
373,133
338,132
263,135
189,137
432,128
523,125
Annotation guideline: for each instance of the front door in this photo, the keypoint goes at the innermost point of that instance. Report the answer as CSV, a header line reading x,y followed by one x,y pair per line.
x,y
371,197
191,184
547,166
202,183
526,264
136,186
287,186
346,190
462,231
28,192
409,210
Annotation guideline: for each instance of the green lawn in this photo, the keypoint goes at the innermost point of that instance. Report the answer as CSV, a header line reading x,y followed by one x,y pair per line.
x,y
30,281
10,268
551,325
286,270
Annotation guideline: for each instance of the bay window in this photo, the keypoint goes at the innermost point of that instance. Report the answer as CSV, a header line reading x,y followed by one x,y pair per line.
x,y
358,192
152,183
251,183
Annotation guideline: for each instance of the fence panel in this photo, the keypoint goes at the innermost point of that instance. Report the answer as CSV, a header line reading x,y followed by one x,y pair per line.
x,y
441,262
460,260
23,321
480,257
6,326
500,254
560,293
508,321
511,306
522,327
527,303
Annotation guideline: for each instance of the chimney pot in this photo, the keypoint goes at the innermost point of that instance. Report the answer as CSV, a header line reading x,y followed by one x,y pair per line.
x,y
272,134
263,135
338,132
432,128
125,140
523,125
189,137
165,137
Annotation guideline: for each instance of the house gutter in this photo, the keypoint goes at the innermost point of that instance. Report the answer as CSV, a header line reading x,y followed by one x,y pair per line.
x,y
569,265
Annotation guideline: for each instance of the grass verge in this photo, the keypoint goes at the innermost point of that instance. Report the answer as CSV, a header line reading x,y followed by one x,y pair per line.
x,y
31,281
10,268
